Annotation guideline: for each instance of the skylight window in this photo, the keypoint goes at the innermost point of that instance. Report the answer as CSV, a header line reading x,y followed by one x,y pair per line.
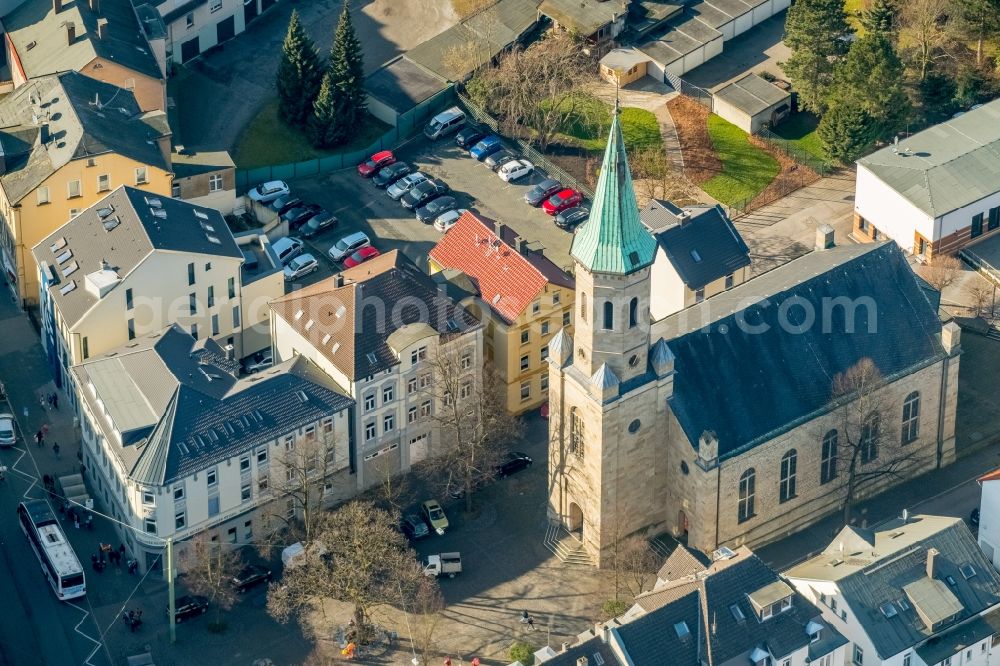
x,y
70,268
112,224
326,339
888,609
737,613
65,256
298,315
105,211
341,311
372,358
682,629
336,346
301,395
153,202
968,571
951,581
58,245
213,239
68,287
158,212
696,256
200,214
903,603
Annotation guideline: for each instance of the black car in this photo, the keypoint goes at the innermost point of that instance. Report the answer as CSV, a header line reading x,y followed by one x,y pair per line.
x,y
319,222
542,191
513,462
469,136
424,192
296,217
390,174
188,606
250,576
571,217
413,526
499,158
285,203
429,211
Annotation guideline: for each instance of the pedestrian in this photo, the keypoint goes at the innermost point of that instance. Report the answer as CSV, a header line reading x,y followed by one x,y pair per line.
x,y
55,449
76,522
48,399
55,400
531,623
46,481
62,509
41,402
121,549
132,566
39,437
90,522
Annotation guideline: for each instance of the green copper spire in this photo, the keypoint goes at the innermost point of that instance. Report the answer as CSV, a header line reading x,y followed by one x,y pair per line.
x,y
613,240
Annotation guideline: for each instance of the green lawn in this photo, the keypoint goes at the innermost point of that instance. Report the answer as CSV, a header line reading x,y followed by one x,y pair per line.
x,y
588,126
267,140
853,8
799,129
746,169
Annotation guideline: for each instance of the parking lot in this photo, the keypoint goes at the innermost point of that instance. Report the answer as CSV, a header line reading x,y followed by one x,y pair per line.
x,y
360,205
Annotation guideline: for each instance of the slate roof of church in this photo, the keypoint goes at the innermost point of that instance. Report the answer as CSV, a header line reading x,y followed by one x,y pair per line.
x,y
613,239
748,385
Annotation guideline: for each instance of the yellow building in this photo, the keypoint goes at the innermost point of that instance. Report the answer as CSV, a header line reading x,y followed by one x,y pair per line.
x,y
67,141
523,298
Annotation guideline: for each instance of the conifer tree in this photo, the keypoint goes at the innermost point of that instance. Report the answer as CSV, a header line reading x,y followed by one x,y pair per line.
x,y
815,31
347,73
846,131
299,74
871,78
880,17
324,126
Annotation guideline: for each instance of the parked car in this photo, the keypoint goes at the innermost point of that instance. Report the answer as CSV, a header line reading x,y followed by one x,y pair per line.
x,y
498,159
188,606
434,515
8,432
424,192
287,248
446,122
446,221
300,266
513,462
371,166
361,256
405,184
390,174
298,216
249,576
571,217
486,147
435,207
413,527
319,222
260,361
269,191
515,170
562,200
469,136
348,245
284,203
542,191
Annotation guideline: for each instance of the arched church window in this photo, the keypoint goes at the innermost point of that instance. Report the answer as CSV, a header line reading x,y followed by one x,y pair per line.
x,y
609,315
633,312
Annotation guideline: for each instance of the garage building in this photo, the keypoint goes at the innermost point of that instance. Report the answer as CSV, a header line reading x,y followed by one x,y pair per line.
x,y
751,102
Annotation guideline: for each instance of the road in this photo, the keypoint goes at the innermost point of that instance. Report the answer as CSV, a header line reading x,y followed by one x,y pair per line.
x,y
36,627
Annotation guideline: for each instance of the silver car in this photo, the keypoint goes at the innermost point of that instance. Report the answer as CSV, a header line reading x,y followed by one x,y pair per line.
x,y
8,431
405,184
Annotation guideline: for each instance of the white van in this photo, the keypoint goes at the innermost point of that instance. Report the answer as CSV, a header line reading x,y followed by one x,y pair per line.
x,y
445,123
287,248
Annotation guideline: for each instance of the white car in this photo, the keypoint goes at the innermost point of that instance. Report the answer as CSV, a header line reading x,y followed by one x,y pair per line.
x,y
514,170
446,221
348,245
300,266
269,191
404,185
8,431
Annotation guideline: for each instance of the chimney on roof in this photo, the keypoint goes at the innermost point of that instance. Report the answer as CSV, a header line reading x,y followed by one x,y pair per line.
x,y
932,554
522,246
56,6
102,26
230,352
498,230
824,237
601,629
951,338
582,661
70,32
95,6
564,648
338,280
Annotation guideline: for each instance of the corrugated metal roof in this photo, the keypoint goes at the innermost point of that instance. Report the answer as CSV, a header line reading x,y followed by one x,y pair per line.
x,y
947,166
613,239
752,94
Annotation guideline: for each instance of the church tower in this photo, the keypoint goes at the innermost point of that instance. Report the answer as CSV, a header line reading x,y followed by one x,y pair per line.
x,y
608,387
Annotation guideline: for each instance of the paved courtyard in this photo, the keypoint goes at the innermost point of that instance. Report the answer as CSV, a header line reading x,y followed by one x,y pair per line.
x,y
757,50
225,88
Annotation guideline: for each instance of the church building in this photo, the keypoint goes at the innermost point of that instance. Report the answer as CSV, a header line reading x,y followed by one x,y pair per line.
x,y
727,423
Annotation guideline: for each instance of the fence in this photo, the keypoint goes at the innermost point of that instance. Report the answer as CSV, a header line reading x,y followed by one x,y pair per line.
x,y
407,124
533,155
790,150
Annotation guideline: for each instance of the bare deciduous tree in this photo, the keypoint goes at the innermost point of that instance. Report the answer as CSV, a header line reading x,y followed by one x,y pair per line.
x,y
365,562
427,606
475,427
942,272
209,568
866,446
923,27
982,296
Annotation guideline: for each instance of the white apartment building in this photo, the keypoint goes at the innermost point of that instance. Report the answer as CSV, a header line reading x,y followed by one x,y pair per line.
x,y
134,263
176,444
375,329
915,592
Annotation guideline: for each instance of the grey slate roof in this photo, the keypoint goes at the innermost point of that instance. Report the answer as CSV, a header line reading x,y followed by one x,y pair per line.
x,y
582,16
682,562
589,649
71,127
703,245
684,34
725,364
137,234
752,94
180,406
947,166
716,635
34,23
402,84
870,577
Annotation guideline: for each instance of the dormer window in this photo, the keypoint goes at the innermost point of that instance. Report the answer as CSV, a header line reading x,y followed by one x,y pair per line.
x,y
814,630
771,600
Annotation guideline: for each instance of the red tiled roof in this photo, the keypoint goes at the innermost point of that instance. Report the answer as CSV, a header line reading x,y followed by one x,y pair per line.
x,y
508,280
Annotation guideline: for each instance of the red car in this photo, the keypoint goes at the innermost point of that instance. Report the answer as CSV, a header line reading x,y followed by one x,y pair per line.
x,y
375,162
361,256
562,200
